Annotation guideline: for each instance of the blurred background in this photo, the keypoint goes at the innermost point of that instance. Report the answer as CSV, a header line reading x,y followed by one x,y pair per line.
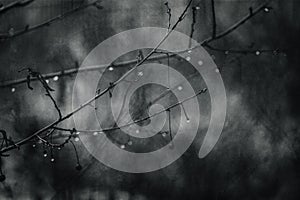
x,y
257,156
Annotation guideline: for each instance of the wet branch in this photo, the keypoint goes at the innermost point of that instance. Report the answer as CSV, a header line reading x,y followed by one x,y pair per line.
x,y
112,85
28,28
44,83
204,43
14,4
238,24
169,12
214,24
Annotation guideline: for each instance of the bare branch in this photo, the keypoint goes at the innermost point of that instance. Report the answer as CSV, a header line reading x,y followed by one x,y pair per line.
x,y
130,62
214,24
29,28
6,141
42,80
54,103
70,135
169,12
2,176
139,120
52,126
245,51
107,131
170,127
78,166
239,23
76,70
193,26
18,3
112,85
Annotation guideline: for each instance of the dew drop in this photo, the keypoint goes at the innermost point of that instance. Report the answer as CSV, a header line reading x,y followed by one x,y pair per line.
x,y
55,78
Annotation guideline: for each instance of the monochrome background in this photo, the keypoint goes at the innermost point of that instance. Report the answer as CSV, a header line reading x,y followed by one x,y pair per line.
x,y
257,156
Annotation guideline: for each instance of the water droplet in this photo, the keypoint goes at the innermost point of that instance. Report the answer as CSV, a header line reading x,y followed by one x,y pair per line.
x,y
200,62
76,139
95,133
217,70
11,31
47,81
188,58
55,78
180,88
13,89
266,9
257,53
122,146
52,159
110,68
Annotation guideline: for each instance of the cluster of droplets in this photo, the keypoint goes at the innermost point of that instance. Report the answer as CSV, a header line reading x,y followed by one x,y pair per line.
x,y
46,144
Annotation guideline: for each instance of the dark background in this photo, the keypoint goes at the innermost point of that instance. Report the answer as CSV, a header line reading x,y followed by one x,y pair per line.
x,y
257,156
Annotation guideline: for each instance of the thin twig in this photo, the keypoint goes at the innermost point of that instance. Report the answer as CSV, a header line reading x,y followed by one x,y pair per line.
x,y
226,32
239,23
169,12
69,136
76,70
108,130
130,62
114,127
139,120
245,51
214,24
170,127
77,157
112,85
54,103
14,4
29,28
44,83
193,26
